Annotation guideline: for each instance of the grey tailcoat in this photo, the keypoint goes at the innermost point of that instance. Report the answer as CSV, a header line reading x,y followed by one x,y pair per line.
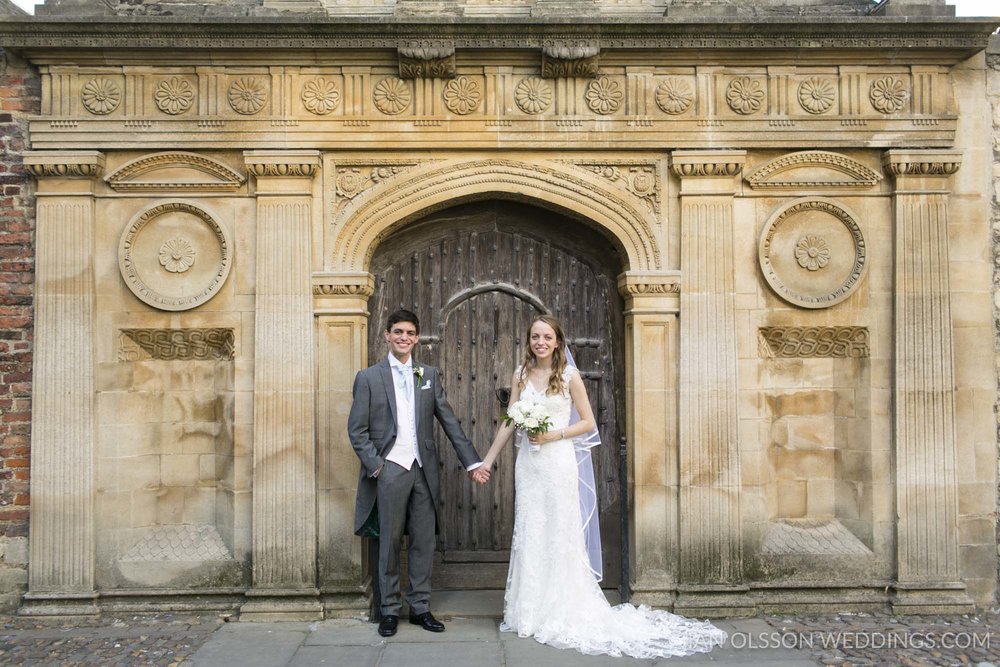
x,y
371,427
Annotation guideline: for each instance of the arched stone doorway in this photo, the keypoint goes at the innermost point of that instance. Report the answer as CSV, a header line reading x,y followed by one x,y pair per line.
x,y
476,274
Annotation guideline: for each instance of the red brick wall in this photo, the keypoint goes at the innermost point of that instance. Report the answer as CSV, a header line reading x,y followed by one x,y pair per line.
x,y
19,98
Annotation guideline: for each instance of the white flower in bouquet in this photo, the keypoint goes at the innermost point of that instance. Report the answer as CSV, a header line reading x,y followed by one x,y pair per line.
x,y
529,416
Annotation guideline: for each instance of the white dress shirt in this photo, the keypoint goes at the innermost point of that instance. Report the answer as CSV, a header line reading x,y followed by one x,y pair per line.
x,y
405,450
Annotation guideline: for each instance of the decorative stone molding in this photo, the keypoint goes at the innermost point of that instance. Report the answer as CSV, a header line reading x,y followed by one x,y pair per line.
x,y
320,96
205,174
462,95
392,95
355,177
638,177
343,284
813,342
888,95
282,164
634,283
701,164
819,169
176,345
533,95
604,96
156,285
101,96
922,163
64,164
585,67
436,68
183,543
247,95
745,95
781,260
173,96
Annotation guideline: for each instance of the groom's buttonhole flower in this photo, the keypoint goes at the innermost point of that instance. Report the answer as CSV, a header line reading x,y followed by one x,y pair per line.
x,y
419,372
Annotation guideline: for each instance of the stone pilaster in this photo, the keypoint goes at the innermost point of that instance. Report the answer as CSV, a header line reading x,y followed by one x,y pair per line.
x,y
928,578
652,301
711,555
284,460
61,575
340,302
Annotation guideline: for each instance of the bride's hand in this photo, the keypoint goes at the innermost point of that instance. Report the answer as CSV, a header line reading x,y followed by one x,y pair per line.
x,y
542,438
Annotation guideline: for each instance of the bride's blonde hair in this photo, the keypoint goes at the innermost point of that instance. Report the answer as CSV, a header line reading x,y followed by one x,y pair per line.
x,y
556,383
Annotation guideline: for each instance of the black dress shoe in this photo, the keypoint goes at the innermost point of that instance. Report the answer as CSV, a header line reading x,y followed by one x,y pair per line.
x,y
387,628
427,622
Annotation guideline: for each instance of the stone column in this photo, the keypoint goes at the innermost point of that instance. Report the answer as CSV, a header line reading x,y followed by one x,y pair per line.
x,y
340,302
651,306
928,579
711,554
284,461
61,570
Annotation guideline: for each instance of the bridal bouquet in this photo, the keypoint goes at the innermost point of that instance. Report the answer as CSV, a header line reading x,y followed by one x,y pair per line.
x,y
530,417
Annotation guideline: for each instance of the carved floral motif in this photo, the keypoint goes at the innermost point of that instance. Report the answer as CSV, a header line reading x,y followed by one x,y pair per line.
x,y
353,180
812,252
816,95
177,255
674,96
745,96
173,96
320,96
432,68
888,95
533,95
247,96
101,96
462,95
604,96
391,95
639,179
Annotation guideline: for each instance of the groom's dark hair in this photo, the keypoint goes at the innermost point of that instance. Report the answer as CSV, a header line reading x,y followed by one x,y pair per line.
x,y
403,315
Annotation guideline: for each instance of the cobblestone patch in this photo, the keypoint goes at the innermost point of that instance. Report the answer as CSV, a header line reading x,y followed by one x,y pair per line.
x,y
856,640
154,639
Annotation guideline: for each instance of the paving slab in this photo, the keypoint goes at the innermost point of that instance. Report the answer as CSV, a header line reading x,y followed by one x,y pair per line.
x,y
344,632
440,655
339,656
250,645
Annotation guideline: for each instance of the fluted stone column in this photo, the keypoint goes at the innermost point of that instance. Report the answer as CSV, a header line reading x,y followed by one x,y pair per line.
x,y
284,460
61,569
928,578
651,306
340,303
711,557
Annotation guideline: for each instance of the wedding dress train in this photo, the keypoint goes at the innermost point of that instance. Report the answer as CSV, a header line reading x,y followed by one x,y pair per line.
x,y
552,594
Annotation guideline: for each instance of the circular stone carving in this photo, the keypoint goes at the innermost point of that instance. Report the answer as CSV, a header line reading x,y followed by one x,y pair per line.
x,y
816,95
173,96
888,95
745,96
247,96
604,95
101,96
674,96
152,239
813,226
533,95
462,95
320,96
391,95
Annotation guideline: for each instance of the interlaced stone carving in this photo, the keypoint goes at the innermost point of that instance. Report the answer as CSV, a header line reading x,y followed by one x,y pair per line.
x,y
533,95
392,95
320,96
888,95
178,543
462,95
604,95
816,95
814,342
826,537
101,96
177,345
745,96
247,96
173,96
674,96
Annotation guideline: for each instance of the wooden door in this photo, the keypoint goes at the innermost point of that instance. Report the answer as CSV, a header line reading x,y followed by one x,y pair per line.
x,y
475,275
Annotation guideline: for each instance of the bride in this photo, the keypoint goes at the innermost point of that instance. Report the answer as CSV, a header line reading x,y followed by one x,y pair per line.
x,y
555,561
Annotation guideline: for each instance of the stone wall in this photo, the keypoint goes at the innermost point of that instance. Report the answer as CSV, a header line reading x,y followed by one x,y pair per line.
x,y
19,98
993,94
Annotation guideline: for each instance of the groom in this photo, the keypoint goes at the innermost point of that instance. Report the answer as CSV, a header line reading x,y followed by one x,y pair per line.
x,y
392,431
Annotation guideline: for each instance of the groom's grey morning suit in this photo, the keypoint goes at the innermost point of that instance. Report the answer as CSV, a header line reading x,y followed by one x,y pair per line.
x,y
397,437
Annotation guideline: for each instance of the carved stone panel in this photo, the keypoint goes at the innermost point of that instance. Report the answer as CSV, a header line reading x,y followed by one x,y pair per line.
x,y
175,256
812,252
813,342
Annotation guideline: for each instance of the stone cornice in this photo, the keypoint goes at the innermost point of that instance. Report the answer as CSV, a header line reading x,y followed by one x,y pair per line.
x,y
922,163
282,164
951,39
64,164
707,163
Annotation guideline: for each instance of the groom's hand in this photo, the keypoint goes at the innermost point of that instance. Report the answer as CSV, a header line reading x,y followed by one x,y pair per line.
x,y
480,475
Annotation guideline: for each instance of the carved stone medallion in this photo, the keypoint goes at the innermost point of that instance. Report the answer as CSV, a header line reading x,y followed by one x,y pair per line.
x,y
320,96
812,252
674,96
173,96
392,95
604,96
533,95
462,95
745,96
247,96
888,95
175,256
101,96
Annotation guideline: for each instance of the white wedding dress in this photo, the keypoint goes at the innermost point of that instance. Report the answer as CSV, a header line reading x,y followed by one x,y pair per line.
x,y
552,594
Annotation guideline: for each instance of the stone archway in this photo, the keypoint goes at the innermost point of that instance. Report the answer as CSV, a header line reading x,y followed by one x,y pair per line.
x,y
651,300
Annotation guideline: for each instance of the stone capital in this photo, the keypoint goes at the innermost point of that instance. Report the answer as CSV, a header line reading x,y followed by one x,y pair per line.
x,y
650,292
570,59
427,59
282,164
54,168
342,293
718,164
931,163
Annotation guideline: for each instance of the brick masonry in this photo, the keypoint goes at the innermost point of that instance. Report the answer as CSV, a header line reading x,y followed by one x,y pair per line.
x,y
19,99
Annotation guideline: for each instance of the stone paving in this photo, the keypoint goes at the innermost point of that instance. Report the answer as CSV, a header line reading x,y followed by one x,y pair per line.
x,y
164,639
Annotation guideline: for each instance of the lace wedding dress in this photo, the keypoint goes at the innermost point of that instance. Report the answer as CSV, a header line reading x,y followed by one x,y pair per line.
x,y
552,595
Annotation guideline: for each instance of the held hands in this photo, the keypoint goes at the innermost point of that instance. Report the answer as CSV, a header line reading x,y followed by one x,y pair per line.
x,y
480,475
